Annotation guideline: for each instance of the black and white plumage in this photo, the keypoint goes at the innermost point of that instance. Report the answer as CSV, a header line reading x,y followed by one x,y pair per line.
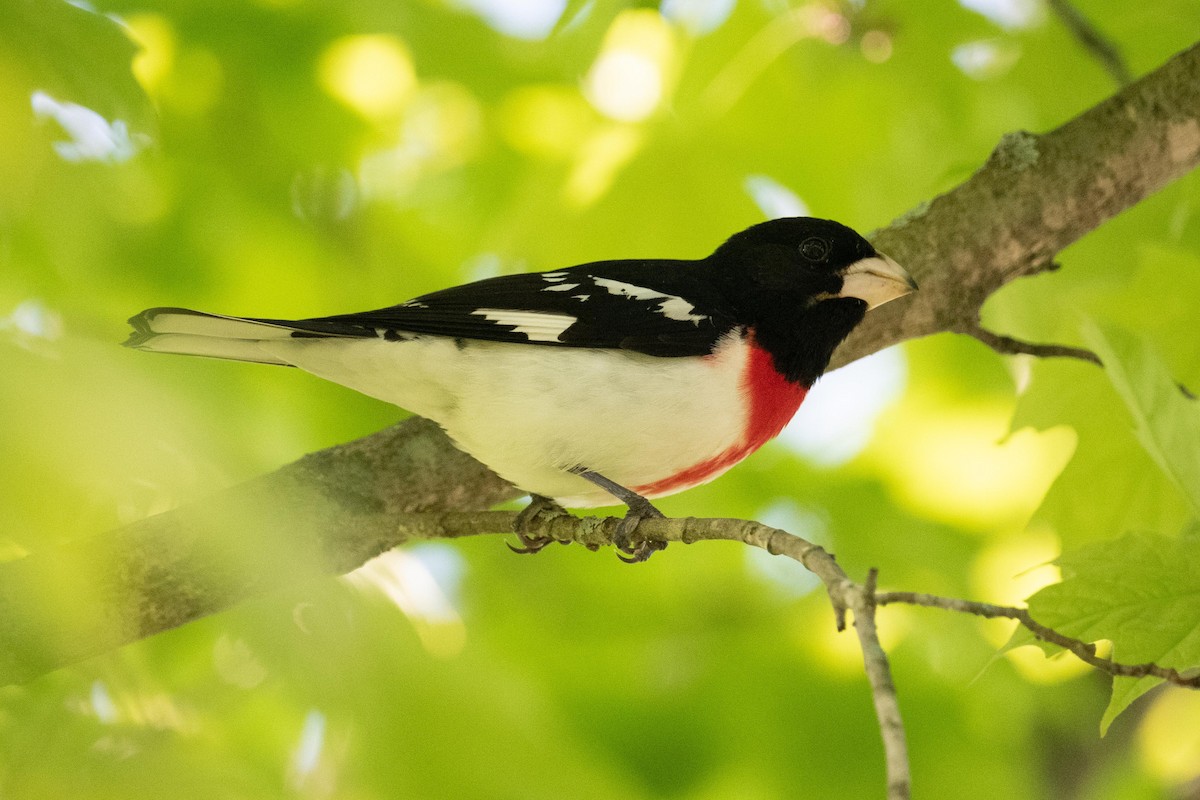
x,y
655,374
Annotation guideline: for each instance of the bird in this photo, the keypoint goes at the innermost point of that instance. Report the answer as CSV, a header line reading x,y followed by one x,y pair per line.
x,y
609,382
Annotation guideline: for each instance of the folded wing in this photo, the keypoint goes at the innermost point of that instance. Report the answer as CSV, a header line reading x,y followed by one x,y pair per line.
x,y
627,305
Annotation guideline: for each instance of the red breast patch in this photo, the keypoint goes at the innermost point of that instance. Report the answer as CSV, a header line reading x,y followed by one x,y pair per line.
x,y
773,401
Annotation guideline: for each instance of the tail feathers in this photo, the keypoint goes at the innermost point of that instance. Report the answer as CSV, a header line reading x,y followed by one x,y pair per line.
x,y
187,332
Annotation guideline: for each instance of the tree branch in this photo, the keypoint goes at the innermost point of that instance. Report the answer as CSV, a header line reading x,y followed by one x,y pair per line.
x,y
1007,345
333,510
330,511
883,692
323,515
1085,651
1035,195
844,594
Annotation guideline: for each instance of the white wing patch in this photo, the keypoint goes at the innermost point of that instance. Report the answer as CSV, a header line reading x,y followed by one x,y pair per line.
x,y
551,277
561,287
539,327
671,307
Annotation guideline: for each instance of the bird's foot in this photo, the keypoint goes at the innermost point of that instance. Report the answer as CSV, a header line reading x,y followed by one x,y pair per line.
x,y
539,511
633,549
636,550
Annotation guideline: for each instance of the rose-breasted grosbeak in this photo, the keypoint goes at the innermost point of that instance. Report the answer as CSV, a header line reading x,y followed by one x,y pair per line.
x,y
621,380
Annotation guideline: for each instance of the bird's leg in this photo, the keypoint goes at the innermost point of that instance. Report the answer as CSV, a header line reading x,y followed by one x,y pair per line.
x,y
639,509
539,509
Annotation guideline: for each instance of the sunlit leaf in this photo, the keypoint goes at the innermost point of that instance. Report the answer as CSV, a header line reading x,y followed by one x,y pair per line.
x,y
1142,593
1167,421
1110,485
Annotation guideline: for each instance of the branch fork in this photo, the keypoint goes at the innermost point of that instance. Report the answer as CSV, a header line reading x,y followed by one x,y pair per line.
x,y
846,596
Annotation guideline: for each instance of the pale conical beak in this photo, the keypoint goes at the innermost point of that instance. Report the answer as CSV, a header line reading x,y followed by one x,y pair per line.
x,y
876,280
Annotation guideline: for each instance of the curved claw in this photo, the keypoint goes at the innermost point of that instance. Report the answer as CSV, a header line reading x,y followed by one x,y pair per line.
x,y
539,509
529,544
641,552
639,509
636,553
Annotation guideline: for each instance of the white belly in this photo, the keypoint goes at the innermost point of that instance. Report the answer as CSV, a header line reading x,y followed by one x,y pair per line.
x,y
530,413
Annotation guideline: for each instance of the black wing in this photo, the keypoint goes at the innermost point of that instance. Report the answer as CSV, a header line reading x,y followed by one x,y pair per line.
x,y
661,308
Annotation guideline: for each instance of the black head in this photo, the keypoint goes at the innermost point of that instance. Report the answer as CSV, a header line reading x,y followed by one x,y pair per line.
x,y
802,284
794,253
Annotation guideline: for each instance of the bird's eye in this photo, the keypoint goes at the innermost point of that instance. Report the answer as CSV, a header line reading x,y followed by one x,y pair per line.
x,y
815,249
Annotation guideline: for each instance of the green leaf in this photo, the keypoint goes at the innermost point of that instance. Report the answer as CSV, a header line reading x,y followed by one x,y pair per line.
x,y
1111,485
1142,593
76,54
1167,423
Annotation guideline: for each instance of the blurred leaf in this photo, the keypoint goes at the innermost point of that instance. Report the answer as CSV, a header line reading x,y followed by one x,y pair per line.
x,y
75,53
1167,422
1142,593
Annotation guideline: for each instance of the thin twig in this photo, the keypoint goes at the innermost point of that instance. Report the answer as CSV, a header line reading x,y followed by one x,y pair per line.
x,y
595,532
1095,42
1085,651
1006,345
883,692
844,593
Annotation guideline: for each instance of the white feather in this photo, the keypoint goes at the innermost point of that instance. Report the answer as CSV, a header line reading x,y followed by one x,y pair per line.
x,y
672,307
199,324
537,326
530,413
210,347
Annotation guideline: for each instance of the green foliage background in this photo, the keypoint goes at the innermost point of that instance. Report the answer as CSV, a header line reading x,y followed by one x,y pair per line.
x,y
258,188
